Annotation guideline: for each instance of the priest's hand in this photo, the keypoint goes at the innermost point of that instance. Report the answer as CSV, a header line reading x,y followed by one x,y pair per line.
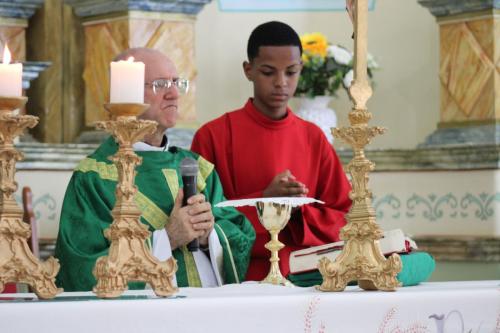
x,y
202,218
189,222
285,184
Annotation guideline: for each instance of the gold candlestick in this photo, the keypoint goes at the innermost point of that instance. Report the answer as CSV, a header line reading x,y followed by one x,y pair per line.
x,y
361,258
274,217
17,262
129,259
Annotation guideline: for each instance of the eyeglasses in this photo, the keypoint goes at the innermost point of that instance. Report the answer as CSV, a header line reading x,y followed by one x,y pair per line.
x,y
160,85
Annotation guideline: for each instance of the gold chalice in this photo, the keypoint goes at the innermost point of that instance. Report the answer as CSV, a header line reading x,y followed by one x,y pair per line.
x,y
274,217
274,214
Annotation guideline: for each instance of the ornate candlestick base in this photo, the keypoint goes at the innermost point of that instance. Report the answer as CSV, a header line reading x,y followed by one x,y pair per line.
x,y
17,262
129,259
273,214
361,259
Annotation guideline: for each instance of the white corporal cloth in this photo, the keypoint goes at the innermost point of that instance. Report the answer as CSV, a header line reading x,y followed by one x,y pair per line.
x,y
293,201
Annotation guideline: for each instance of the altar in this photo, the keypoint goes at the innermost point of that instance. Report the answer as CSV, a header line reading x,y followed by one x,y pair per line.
x,y
250,307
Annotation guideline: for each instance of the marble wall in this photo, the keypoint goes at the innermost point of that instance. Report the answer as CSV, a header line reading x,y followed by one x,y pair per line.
x,y
469,69
172,34
79,38
14,34
46,94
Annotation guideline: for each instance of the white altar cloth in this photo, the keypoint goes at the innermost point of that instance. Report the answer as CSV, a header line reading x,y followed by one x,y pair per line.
x,y
431,307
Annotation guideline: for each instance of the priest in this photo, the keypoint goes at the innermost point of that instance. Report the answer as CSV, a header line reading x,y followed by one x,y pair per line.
x,y
264,150
225,236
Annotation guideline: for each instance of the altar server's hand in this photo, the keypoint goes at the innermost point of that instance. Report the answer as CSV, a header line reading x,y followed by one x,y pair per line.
x,y
285,185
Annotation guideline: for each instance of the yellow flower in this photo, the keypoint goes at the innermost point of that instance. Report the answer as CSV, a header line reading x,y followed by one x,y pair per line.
x,y
314,44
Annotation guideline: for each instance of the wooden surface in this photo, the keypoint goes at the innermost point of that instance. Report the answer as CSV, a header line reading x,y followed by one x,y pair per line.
x,y
73,86
470,69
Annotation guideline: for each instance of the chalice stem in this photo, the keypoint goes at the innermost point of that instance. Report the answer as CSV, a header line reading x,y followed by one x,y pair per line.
x,y
274,276
276,246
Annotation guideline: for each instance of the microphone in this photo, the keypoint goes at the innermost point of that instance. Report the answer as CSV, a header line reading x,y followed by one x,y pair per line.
x,y
189,171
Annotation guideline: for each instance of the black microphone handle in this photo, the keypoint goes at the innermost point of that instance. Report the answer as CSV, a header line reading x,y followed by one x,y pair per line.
x,y
190,190
193,245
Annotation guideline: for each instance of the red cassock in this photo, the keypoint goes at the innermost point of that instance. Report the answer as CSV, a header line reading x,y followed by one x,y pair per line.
x,y
249,149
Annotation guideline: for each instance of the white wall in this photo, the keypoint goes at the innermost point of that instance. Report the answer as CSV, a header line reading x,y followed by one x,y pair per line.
x,y
402,35
48,188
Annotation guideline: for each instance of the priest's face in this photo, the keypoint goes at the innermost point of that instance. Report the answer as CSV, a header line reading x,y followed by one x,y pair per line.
x,y
274,73
163,101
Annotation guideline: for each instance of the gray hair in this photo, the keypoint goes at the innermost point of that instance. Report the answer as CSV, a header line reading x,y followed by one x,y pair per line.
x,y
136,52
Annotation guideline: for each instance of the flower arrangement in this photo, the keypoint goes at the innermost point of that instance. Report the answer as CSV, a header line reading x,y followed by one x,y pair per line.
x,y
326,67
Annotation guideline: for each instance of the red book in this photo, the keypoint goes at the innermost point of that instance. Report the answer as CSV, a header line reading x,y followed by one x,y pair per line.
x,y
10,288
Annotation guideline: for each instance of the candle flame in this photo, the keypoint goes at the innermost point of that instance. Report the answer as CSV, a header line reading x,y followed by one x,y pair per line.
x,y
6,55
130,59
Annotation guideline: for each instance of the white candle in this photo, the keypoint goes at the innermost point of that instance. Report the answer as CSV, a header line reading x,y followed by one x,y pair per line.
x,y
11,76
127,82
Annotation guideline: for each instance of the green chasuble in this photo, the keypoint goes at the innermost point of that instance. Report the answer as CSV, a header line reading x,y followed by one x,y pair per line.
x,y
90,197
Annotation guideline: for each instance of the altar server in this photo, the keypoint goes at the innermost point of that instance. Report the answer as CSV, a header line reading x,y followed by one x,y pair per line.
x,y
264,150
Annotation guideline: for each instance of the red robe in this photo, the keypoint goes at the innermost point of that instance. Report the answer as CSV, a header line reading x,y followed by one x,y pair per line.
x,y
249,149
